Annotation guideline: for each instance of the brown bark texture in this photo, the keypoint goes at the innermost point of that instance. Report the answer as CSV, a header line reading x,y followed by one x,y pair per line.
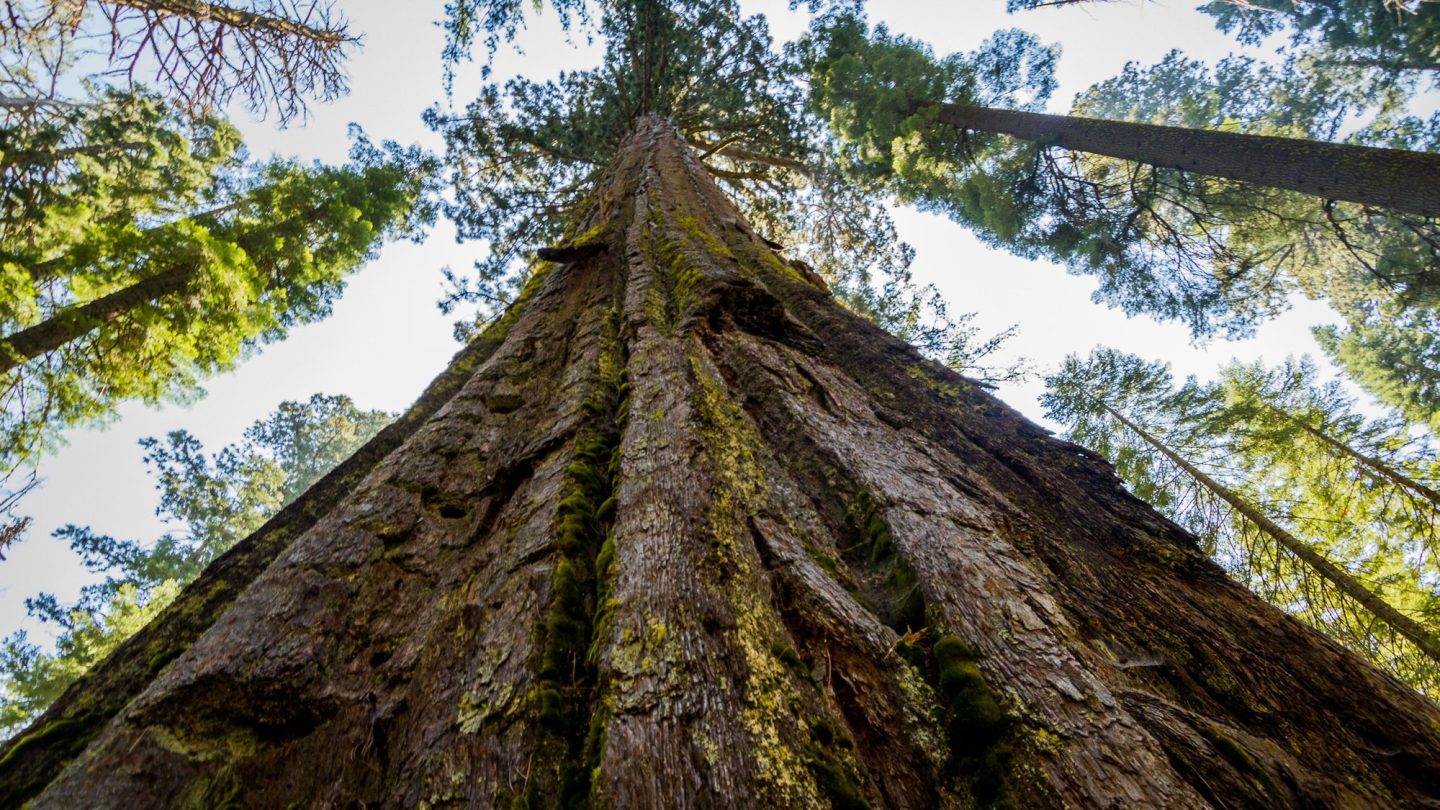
x,y
682,532
1386,178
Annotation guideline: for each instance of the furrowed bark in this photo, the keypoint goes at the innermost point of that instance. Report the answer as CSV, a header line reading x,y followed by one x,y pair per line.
x,y
693,535
1386,178
27,764
1403,625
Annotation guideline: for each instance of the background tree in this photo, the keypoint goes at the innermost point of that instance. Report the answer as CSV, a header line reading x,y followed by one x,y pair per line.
x,y
1219,250
92,161
1268,467
1396,36
1393,35
216,500
1394,356
134,304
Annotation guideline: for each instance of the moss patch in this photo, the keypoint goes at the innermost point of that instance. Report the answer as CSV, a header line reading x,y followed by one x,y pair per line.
x,y
567,699
902,604
61,735
976,723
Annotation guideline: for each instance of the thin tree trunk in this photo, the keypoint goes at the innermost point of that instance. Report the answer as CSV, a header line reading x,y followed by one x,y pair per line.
x,y
687,534
1386,178
1401,624
75,322
1371,463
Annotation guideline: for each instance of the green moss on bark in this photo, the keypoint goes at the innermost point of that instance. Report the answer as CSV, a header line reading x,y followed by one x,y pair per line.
x,y
568,700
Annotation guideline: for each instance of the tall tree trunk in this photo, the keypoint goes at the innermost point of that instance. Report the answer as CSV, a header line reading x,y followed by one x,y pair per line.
x,y
1374,465
1398,622
75,322
686,533
1387,178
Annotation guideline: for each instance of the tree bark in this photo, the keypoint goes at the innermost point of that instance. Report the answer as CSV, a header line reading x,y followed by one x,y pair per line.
x,y
688,534
1386,178
1401,624
75,322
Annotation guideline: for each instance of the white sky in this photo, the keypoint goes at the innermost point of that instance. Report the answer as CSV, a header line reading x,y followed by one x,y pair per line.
x,y
386,339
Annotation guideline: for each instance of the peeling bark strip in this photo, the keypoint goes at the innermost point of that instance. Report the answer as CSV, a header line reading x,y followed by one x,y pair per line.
x,y
1386,178
820,571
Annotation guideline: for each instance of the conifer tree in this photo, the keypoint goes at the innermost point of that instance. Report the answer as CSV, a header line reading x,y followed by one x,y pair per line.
x,y
1396,36
678,529
1301,498
135,274
1395,356
1196,221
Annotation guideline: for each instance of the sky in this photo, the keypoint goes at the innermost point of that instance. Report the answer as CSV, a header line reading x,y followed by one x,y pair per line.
x,y
386,339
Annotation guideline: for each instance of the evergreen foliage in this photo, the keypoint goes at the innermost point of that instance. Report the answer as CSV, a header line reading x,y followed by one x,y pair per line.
x,y
1357,490
1393,35
1217,254
1395,356
217,500
1396,36
135,271
522,157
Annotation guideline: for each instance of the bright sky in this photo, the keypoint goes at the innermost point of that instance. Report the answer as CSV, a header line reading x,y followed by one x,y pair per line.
x,y
386,339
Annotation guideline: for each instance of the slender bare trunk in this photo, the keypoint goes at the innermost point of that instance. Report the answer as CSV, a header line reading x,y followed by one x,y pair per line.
x,y
1400,623
237,18
1387,178
1374,465
688,534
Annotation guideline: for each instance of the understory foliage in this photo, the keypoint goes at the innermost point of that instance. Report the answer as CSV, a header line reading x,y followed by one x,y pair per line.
x,y
1358,490
214,501
523,156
